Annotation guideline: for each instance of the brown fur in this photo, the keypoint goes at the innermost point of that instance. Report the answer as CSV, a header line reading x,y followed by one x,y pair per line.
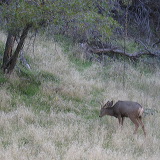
x,y
122,109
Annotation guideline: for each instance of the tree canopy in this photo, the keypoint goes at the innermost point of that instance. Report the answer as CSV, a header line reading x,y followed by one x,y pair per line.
x,y
18,17
86,21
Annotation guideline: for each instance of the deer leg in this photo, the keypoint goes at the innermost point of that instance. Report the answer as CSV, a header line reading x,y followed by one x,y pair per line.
x,y
141,123
135,121
122,120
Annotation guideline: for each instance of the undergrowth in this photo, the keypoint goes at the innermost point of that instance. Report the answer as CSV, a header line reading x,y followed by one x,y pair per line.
x,y
52,110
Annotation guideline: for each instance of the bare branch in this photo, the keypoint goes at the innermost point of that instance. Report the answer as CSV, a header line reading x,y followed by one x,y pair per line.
x,y
115,50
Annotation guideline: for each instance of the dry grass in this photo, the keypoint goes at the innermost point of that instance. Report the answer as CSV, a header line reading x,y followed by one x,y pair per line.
x,y
5,99
66,134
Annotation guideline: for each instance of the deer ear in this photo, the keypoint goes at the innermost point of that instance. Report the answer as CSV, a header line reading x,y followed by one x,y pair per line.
x,y
108,103
111,103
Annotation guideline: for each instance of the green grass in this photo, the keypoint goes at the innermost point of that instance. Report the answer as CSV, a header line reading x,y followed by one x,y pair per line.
x,y
37,102
25,87
65,42
3,78
46,76
80,65
28,88
29,75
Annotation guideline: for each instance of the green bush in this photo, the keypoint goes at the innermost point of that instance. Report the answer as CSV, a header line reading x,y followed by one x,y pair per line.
x,y
28,88
130,45
3,79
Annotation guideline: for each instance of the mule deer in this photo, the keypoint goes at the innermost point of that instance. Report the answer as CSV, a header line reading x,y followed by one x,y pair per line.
x,y
122,109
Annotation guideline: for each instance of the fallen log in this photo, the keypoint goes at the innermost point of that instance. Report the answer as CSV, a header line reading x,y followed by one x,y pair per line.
x,y
120,52
107,51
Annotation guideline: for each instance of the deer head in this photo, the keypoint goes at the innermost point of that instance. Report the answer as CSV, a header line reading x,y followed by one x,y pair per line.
x,y
105,107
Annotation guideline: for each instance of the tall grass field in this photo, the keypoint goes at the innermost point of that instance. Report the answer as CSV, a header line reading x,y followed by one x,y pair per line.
x,y
51,112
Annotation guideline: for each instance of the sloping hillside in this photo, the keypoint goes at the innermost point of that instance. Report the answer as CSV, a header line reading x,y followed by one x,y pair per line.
x,y
52,111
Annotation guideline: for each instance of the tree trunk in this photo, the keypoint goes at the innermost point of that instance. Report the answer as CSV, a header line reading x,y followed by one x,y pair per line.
x,y
8,49
9,66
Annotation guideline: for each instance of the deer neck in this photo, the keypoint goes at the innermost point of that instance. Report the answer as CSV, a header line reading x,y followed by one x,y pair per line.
x,y
110,111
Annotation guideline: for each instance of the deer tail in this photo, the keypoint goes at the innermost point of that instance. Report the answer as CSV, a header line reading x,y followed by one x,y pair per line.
x,y
140,112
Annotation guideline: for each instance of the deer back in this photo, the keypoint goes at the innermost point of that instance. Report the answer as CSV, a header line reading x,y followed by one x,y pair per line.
x,y
127,108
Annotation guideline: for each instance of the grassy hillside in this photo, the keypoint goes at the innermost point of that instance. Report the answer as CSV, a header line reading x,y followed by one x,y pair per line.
x,y
52,111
